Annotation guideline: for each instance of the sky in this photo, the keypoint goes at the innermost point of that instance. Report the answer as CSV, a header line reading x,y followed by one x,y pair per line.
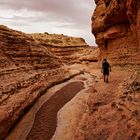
x,y
69,17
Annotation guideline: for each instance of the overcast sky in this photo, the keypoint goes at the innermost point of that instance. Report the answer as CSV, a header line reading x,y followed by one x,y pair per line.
x,y
69,17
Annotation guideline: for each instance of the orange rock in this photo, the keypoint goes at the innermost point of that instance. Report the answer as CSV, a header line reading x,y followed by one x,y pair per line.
x,y
116,26
28,67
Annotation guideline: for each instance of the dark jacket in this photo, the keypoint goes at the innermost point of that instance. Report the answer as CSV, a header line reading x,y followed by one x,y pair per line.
x,y
106,68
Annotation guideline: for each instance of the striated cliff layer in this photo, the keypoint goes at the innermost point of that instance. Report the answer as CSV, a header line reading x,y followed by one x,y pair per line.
x,y
28,67
70,50
25,72
116,26
113,111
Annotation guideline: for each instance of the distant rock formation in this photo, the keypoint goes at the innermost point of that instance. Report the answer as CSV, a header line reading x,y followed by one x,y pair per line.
x,y
19,50
116,26
30,65
70,50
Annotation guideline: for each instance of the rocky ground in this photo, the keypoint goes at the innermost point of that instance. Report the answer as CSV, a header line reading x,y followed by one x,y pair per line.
x,y
113,109
43,127
99,111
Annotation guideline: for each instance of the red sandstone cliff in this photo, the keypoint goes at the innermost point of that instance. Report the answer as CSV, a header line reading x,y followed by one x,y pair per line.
x,y
30,65
26,70
114,109
70,50
116,26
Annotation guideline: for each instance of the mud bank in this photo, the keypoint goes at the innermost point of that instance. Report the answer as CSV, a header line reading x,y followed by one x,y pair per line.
x,y
21,131
46,118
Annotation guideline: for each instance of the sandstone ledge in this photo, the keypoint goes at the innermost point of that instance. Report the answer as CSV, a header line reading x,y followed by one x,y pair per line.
x,y
28,67
18,104
115,25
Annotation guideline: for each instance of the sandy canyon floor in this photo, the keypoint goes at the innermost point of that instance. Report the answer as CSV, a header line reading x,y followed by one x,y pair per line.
x,y
79,109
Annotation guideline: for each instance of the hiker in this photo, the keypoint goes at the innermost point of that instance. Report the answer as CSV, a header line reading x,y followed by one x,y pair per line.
x,y
105,70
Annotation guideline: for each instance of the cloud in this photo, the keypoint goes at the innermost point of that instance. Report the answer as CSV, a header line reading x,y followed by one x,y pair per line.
x,y
72,10
52,15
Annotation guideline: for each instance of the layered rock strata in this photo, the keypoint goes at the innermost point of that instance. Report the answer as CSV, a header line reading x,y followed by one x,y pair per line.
x,y
70,50
27,70
116,26
113,108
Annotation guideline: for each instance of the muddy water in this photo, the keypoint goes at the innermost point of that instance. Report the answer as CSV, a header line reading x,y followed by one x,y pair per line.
x,y
22,129
46,118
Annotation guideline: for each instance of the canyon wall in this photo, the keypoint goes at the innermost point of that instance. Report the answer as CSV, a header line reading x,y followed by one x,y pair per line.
x,y
113,109
29,66
70,50
26,71
116,26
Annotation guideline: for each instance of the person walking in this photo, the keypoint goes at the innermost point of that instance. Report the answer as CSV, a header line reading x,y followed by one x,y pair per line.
x,y
105,70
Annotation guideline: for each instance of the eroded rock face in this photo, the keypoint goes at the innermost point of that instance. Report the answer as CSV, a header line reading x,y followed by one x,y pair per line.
x,y
27,70
116,26
70,50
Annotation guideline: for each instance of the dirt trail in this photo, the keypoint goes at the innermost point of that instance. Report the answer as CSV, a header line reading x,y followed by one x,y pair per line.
x,y
46,118
112,108
98,101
